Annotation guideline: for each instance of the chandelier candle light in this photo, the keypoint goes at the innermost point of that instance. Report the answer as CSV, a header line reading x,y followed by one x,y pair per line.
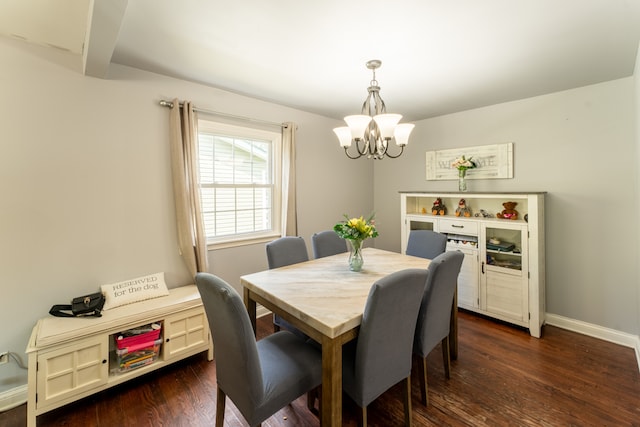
x,y
373,130
355,231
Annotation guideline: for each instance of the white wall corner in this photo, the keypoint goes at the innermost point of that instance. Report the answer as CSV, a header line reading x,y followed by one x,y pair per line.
x,y
595,331
13,397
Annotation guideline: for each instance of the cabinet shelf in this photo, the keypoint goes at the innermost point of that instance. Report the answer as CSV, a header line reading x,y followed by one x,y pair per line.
x,y
503,269
466,218
510,253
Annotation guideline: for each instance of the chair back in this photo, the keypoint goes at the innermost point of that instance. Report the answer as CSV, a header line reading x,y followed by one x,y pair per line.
x,y
327,243
435,309
286,251
238,368
383,350
426,243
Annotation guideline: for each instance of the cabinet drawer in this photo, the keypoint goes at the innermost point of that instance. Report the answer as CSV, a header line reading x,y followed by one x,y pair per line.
x,y
469,228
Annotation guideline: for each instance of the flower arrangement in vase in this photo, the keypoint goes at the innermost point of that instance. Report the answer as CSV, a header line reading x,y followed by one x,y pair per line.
x,y
463,164
355,231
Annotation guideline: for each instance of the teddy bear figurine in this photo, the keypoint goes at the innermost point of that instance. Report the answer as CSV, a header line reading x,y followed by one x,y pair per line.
x,y
462,209
509,211
438,207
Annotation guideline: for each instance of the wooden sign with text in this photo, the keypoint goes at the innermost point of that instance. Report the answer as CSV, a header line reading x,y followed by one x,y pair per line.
x,y
493,161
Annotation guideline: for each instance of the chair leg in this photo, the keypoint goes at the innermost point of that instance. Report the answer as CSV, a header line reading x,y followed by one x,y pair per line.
x,y
311,400
220,404
312,395
424,388
407,401
446,357
363,416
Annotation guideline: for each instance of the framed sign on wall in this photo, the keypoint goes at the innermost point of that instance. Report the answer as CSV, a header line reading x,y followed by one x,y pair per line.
x,y
492,161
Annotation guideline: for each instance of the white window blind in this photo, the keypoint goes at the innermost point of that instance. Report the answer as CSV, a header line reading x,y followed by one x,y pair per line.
x,y
239,183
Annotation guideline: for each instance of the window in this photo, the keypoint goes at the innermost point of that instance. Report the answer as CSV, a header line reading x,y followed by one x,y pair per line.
x,y
239,183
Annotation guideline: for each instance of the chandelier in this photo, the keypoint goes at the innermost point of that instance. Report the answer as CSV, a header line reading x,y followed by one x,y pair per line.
x,y
372,131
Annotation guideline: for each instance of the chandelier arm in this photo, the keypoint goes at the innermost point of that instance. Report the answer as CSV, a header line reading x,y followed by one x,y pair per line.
x,y
349,155
384,146
397,155
365,145
368,146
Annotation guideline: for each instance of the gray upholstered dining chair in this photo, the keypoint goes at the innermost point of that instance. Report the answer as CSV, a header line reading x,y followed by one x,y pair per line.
x,y
286,251
381,356
282,252
259,377
327,243
426,243
435,314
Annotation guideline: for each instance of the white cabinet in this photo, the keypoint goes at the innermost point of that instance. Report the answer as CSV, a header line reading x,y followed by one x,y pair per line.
x,y
73,369
503,272
71,358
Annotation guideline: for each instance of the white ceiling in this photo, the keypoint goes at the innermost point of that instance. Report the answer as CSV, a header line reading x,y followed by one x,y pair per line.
x,y
437,56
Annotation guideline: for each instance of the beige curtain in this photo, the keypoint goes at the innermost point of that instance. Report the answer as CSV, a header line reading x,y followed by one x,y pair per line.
x,y
289,209
184,168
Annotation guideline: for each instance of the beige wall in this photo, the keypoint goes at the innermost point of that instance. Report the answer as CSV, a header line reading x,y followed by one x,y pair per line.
x,y
86,189
577,145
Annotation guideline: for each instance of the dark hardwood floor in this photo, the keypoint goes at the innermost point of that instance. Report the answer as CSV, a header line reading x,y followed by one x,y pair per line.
x,y
503,377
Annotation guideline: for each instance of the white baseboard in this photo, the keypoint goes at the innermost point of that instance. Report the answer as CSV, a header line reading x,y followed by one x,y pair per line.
x,y
12,398
606,334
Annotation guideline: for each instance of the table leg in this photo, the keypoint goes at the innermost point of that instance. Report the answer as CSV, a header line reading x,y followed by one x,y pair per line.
x,y
453,328
331,383
251,308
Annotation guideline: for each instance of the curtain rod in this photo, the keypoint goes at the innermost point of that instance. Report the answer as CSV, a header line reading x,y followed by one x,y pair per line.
x,y
231,116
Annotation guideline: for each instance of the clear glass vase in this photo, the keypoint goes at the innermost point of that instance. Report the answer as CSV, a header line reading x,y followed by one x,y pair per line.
x,y
355,255
462,182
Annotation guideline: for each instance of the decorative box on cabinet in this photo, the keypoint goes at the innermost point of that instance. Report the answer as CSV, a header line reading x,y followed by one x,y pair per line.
x,y
505,284
71,358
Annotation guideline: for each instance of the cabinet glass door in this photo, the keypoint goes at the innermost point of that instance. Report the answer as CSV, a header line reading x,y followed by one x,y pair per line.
x,y
504,271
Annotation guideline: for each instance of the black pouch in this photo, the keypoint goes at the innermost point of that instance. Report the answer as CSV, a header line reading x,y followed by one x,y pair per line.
x,y
88,305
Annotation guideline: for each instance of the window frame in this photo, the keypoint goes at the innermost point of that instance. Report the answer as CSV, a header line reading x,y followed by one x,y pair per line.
x,y
211,126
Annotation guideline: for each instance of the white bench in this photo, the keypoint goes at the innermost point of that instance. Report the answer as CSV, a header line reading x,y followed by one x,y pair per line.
x,y
71,358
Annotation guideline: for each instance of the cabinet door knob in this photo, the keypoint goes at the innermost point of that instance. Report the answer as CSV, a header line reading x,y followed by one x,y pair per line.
x,y
168,339
104,361
482,267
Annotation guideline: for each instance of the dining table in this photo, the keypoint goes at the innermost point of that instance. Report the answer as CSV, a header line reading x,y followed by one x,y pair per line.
x,y
325,299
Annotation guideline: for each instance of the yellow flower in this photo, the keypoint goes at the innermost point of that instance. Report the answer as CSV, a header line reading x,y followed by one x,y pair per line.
x,y
356,228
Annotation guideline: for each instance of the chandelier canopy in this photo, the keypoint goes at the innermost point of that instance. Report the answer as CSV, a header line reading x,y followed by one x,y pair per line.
x,y
373,130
